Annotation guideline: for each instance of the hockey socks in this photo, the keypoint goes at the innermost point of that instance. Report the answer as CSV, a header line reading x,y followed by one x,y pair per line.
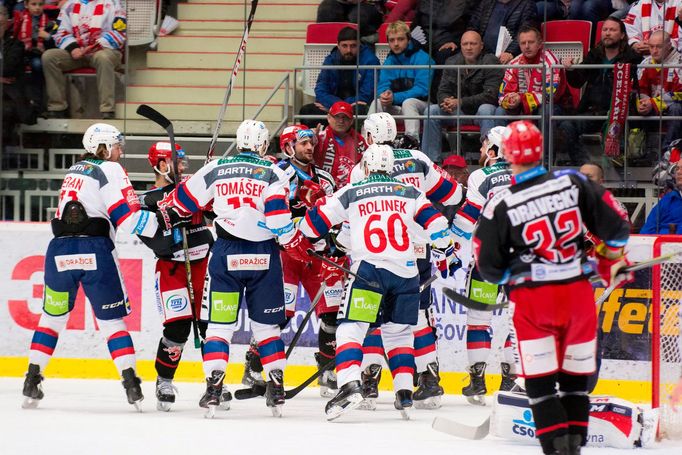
x,y
372,349
216,354
550,421
479,338
120,346
424,348
168,357
272,355
399,343
348,360
45,339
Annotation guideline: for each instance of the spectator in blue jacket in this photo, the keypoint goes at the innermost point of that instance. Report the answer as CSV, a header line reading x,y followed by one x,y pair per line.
x,y
404,91
354,86
666,216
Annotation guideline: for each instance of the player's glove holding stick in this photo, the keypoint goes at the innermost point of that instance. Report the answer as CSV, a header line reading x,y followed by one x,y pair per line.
x,y
610,262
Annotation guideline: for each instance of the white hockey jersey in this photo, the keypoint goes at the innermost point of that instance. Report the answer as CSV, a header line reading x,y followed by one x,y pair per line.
x,y
647,16
104,190
250,197
383,215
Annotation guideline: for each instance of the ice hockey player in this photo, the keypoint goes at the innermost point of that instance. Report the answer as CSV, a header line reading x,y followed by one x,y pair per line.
x,y
176,308
530,236
96,200
414,168
250,200
381,212
481,186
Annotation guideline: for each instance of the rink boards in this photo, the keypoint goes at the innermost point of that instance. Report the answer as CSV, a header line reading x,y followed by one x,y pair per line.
x,y
82,353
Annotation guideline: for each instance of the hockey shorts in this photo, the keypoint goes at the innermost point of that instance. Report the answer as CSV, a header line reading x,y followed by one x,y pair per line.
x,y
556,326
296,272
241,269
395,299
92,263
170,286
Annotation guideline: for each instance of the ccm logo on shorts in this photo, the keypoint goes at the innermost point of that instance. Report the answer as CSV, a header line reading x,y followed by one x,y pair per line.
x,y
241,262
75,262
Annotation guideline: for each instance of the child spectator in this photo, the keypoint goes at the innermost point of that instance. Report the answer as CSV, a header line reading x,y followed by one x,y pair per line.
x,y
30,28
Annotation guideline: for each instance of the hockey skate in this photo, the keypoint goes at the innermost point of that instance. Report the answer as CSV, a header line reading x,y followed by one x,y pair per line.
x,y
214,389
225,399
348,398
508,383
429,391
476,390
567,444
252,367
165,394
327,381
33,389
403,402
274,393
370,387
131,384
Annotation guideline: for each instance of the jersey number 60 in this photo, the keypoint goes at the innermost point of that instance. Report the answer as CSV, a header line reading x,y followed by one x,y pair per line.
x,y
377,239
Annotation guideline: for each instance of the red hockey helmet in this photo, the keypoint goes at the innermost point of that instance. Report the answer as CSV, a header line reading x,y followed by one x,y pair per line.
x,y
522,143
293,133
162,151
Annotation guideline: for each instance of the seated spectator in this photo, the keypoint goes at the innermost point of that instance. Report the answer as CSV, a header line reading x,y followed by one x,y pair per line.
x,y
646,17
439,25
490,15
522,90
15,108
30,27
477,94
355,87
339,145
90,34
404,91
666,216
654,99
596,98
585,10
362,12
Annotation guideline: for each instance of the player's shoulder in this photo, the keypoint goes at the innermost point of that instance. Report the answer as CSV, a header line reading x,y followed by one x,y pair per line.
x,y
324,175
498,200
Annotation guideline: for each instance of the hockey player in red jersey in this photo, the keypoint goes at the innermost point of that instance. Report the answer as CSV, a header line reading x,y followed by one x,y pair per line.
x,y
96,200
530,235
250,200
172,296
381,212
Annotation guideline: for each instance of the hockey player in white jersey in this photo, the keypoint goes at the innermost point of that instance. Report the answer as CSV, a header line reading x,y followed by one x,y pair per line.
x,y
250,200
414,168
382,214
482,185
96,200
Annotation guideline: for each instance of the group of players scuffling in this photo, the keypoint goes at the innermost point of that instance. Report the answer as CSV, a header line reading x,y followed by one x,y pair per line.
x,y
282,223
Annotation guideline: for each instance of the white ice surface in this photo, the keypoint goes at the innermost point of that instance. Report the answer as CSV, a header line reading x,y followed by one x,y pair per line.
x,y
93,417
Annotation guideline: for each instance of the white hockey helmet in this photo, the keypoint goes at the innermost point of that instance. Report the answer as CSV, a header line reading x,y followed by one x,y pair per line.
x,y
494,138
381,126
102,133
253,136
378,158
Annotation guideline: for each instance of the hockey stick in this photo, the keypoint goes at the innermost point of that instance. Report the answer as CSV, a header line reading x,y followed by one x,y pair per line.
x,y
461,430
233,78
156,117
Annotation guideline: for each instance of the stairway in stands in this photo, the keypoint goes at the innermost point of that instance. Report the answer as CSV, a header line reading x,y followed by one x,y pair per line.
x,y
186,76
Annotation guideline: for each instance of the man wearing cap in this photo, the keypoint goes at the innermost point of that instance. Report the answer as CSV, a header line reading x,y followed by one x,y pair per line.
x,y
354,86
456,167
339,146
172,296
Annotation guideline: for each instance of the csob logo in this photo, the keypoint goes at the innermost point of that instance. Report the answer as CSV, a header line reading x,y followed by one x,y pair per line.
x,y
29,272
525,426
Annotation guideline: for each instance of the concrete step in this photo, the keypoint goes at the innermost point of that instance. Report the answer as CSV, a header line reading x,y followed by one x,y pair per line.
x,y
202,112
215,77
199,95
265,11
217,60
199,43
259,25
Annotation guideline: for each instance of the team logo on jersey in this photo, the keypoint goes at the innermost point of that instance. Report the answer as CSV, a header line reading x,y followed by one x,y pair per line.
x,y
119,24
241,262
175,303
399,190
259,173
75,262
410,165
524,426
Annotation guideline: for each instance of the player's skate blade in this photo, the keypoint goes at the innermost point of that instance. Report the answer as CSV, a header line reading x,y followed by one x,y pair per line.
x,y
225,399
210,412
348,398
214,390
29,403
274,392
131,384
33,389
478,400
368,404
403,403
429,403
165,394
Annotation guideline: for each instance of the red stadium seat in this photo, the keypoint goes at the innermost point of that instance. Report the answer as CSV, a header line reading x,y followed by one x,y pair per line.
x,y
326,32
568,31
597,36
319,41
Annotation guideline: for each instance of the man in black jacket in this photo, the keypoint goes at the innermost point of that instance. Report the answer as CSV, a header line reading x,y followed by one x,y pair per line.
x,y
596,99
490,15
477,93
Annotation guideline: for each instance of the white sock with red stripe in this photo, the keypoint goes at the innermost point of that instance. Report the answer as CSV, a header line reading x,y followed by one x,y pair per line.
x,y
424,344
399,342
45,338
216,349
270,346
349,357
119,342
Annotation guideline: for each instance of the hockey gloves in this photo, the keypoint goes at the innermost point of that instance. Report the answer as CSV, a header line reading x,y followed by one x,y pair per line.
x,y
328,272
170,217
297,247
610,261
309,192
446,260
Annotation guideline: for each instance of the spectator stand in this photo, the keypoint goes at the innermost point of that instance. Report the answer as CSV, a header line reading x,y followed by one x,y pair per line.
x,y
319,41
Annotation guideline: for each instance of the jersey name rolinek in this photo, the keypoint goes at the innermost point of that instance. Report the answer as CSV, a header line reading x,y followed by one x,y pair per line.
x,y
382,205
